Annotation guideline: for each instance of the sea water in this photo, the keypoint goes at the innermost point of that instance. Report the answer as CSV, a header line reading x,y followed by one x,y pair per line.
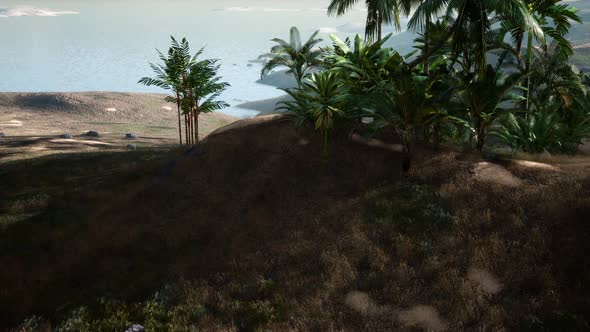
x,y
92,45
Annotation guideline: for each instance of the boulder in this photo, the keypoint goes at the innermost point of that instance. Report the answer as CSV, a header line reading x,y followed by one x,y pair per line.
x,y
2,135
131,147
67,136
92,133
135,328
130,136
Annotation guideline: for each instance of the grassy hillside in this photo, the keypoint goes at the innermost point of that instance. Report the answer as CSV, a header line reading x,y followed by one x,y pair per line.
x,y
32,114
253,229
34,122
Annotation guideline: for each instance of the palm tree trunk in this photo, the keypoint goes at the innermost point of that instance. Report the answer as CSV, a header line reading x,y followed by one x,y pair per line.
x,y
407,151
518,47
196,126
426,46
186,129
179,122
186,117
193,120
484,49
299,74
480,140
529,54
190,123
380,26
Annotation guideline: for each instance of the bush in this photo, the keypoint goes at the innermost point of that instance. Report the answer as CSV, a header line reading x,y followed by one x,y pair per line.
x,y
544,131
410,210
538,133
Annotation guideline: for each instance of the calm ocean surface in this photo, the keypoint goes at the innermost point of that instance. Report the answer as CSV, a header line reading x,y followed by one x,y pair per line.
x,y
67,45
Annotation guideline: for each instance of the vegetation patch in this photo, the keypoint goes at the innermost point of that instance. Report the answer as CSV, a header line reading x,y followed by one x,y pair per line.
x,y
411,210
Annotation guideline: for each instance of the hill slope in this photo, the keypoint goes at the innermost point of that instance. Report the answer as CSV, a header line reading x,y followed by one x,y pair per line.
x,y
263,232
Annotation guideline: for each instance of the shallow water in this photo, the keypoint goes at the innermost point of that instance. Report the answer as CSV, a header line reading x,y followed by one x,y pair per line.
x,y
106,45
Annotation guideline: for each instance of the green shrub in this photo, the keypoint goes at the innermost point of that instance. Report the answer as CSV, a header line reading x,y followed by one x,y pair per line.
x,y
409,209
538,133
545,131
33,324
78,321
249,316
554,321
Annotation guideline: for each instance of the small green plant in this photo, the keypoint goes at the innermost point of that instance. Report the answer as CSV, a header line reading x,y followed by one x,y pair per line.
x,y
554,321
410,210
321,101
298,57
544,131
538,133
249,316
33,324
78,321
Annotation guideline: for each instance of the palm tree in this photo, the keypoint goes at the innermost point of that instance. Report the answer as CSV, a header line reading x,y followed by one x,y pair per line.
x,y
203,87
320,101
366,56
555,84
472,20
561,16
486,98
431,35
394,94
300,58
379,12
169,76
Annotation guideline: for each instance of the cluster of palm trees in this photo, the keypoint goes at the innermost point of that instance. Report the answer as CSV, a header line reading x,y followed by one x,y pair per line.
x,y
485,71
194,84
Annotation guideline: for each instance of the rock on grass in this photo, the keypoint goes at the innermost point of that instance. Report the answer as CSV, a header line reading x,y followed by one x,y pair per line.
x,y
92,133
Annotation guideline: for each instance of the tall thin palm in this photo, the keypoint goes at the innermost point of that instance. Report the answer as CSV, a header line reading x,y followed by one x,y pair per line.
x,y
168,77
203,89
300,58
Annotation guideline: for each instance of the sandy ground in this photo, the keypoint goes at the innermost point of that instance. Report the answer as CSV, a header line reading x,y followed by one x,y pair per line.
x,y
34,122
265,106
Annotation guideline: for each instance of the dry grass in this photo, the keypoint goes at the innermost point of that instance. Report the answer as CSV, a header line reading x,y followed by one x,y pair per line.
x,y
34,122
255,233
